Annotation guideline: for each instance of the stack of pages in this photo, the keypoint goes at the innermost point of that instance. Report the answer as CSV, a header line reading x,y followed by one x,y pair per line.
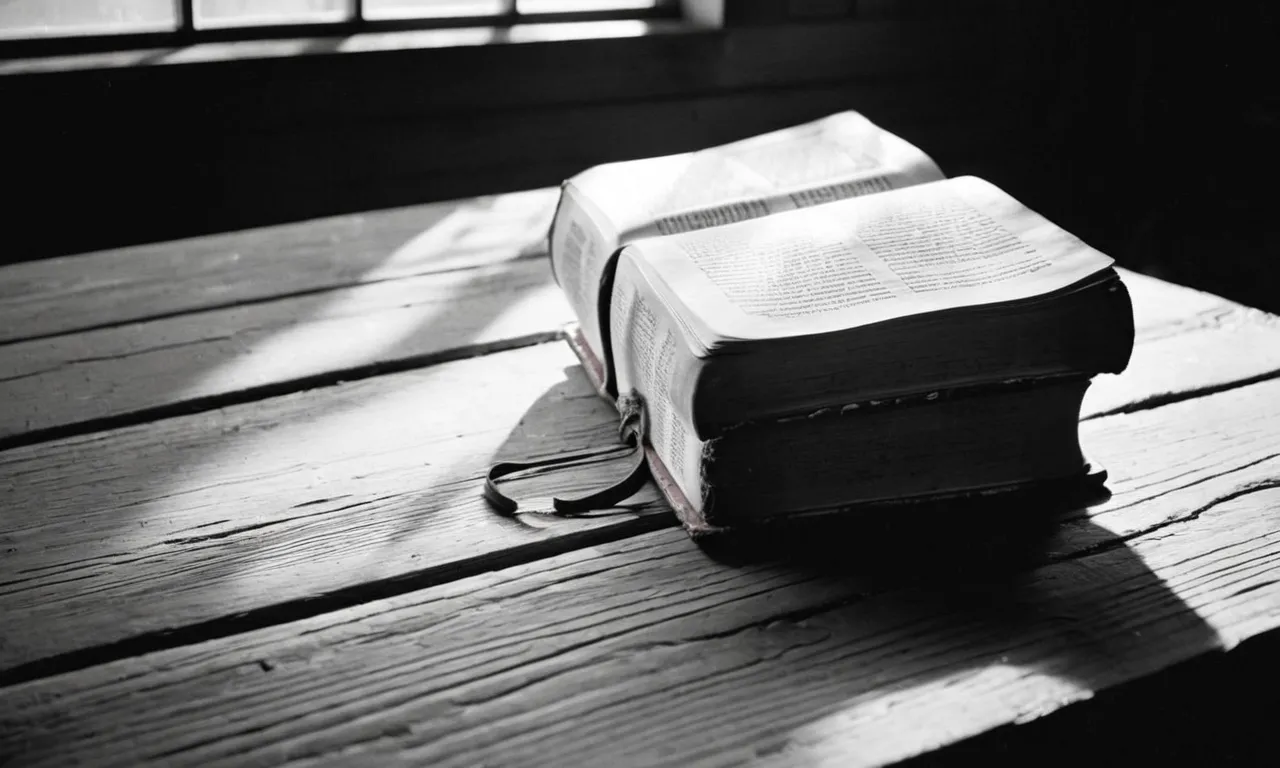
x,y
817,320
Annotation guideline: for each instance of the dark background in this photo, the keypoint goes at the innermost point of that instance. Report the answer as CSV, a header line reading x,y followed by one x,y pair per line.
x,y
1145,128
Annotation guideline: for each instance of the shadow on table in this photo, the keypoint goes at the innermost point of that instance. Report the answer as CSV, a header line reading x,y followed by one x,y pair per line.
x,y
992,537
936,594
577,430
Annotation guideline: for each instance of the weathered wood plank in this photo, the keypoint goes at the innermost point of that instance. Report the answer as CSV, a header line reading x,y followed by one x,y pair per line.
x,y
53,296
245,350
298,497
647,651
119,534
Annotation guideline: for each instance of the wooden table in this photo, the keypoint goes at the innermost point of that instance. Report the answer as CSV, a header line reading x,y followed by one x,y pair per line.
x,y
242,525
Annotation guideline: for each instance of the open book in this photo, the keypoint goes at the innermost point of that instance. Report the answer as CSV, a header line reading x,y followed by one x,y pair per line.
x,y
929,339
605,207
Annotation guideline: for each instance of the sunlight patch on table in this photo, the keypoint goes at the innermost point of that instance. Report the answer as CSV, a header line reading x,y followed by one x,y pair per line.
x,y
871,728
346,484
388,318
482,231
442,327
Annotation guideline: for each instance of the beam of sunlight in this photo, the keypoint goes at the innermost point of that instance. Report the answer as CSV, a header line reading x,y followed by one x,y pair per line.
x,y
353,331
482,231
374,439
394,453
863,726
299,494
387,319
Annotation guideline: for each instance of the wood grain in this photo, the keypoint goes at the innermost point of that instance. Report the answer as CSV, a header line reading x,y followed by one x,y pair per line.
x,y
297,497
647,650
199,360
140,530
56,296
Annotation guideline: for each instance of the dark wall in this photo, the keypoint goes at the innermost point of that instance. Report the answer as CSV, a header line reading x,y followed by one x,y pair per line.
x,y
151,150
1166,150
1090,112
1205,118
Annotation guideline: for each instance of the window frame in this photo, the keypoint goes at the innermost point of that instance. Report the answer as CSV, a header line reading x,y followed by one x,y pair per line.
x,y
128,146
187,33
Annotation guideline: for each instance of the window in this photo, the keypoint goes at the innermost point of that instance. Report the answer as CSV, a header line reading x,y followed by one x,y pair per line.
x,y
117,23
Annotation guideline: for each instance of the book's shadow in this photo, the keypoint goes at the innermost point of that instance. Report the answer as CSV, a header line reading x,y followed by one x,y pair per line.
x,y
1006,562
1028,581
894,604
575,431
983,538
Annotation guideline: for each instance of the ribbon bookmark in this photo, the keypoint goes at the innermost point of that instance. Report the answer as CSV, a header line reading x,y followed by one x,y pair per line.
x,y
633,431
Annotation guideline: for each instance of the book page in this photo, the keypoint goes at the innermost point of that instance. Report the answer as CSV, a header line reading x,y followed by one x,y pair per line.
x,y
959,242
842,147
644,343
582,242
837,157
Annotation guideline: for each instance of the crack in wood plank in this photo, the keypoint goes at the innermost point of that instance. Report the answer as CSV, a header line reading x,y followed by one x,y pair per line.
x,y
313,605
1168,398
224,534
1257,486
1175,489
89,359
236,356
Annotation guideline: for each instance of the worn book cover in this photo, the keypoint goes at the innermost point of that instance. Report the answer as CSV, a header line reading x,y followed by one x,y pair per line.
x,y
1092,475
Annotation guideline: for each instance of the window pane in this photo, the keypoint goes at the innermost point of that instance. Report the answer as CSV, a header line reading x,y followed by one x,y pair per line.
x,y
236,13
559,6
418,9
42,18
